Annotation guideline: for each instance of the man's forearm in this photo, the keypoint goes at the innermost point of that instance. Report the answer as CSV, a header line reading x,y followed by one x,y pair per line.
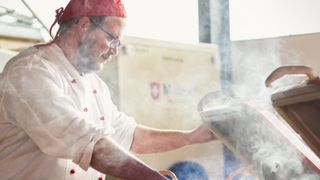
x,y
149,140
153,141
110,158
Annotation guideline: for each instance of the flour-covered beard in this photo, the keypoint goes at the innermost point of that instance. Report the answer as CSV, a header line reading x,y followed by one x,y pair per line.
x,y
86,61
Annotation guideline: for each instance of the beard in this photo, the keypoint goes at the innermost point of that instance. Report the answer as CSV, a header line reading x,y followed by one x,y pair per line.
x,y
87,59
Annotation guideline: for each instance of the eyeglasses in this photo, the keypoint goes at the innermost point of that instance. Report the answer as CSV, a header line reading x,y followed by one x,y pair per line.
x,y
114,43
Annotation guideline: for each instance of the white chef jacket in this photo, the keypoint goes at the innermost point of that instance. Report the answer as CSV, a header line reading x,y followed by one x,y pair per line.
x,y
51,117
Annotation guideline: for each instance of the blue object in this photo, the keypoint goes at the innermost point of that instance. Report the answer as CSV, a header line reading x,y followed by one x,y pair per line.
x,y
231,163
187,170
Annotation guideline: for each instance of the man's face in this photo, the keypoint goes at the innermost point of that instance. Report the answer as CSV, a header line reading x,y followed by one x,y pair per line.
x,y
95,49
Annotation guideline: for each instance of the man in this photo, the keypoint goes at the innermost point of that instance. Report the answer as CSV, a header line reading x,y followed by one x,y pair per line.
x,y
56,114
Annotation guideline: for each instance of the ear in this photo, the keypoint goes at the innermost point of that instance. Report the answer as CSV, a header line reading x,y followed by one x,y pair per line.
x,y
83,25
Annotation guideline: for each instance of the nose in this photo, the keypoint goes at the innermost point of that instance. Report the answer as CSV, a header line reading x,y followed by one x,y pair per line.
x,y
114,51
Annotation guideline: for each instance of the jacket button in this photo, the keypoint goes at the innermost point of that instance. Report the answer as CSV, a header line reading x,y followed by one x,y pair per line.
x,y
100,178
102,118
85,109
72,171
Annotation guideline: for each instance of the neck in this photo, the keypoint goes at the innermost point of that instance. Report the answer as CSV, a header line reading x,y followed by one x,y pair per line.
x,y
69,45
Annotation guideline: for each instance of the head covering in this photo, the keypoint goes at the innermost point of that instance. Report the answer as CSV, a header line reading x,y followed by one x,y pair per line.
x,y
80,8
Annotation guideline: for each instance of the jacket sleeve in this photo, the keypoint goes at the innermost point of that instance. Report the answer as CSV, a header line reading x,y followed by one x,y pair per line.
x,y
123,124
124,128
35,101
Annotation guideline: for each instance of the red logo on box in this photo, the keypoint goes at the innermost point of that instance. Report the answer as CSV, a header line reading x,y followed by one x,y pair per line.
x,y
155,90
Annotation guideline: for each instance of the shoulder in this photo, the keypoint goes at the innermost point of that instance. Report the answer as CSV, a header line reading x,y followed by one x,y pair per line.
x,y
30,58
30,67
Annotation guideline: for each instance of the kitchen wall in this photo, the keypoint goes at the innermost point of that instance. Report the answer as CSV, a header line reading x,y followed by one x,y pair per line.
x,y
305,49
254,60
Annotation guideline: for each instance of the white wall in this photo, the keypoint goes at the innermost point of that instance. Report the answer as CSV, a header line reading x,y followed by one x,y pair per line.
x,y
254,60
170,20
5,56
177,20
252,19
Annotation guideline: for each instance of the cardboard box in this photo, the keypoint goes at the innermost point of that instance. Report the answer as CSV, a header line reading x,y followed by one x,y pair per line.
x,y
160,84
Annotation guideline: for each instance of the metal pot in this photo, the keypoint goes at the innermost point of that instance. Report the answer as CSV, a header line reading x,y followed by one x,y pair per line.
x,y
247,131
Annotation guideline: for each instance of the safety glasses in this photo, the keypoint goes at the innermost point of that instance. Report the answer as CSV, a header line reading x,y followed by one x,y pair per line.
x,y
114,42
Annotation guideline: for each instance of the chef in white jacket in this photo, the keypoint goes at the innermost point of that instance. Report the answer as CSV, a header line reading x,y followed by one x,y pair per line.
x,y
57,120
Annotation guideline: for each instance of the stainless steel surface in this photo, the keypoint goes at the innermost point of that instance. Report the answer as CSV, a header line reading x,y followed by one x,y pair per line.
x,y
247,132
